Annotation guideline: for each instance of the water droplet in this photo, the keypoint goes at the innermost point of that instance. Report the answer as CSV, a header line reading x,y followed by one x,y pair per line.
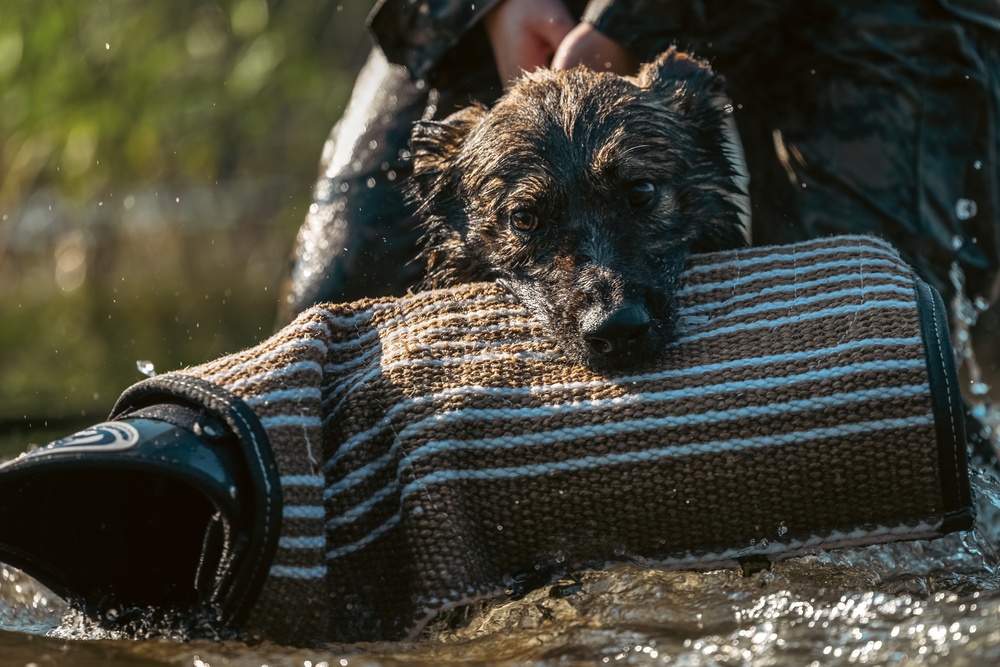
x,y
965,209
977,165
372,145
370,183
979,389
957,242
210,429
782,529
146,367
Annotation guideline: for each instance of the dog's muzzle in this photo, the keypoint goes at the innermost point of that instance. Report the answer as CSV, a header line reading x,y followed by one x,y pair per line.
x,y
616,332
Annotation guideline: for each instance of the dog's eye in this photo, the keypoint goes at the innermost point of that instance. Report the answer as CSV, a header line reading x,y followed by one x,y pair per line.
x,y
641,193
524,220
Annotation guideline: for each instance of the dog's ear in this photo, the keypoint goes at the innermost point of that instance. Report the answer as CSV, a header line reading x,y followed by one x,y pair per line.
x,y
433,144
434,188
685,83
688,86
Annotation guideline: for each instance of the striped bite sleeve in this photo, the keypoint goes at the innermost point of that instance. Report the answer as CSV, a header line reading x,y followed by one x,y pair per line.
x,y
431,447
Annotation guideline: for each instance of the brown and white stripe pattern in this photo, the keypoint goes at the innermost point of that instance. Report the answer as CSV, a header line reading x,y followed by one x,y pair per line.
x,y
432,445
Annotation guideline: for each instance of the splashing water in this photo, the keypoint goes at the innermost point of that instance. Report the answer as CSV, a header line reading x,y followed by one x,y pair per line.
x,y
26,606
966,209
146,367
965,314
921,602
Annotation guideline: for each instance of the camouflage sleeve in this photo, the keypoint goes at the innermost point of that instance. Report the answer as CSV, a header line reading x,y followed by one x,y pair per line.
x,y
644,26
707,27
984,12
416,33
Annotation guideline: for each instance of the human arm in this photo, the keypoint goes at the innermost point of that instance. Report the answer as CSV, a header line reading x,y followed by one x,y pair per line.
x,y
525,34
418,34
640,28
586,45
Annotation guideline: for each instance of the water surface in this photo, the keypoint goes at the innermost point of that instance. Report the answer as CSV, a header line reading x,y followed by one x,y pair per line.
x,y
910,603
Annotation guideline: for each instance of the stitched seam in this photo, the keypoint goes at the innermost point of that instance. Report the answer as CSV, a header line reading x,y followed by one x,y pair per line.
x,y
256,445
948,390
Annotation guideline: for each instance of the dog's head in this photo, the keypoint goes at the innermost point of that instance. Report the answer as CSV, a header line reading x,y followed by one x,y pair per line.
x,y
584,193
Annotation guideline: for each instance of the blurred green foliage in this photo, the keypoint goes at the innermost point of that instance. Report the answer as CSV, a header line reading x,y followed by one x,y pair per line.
x,y
98,93
156,159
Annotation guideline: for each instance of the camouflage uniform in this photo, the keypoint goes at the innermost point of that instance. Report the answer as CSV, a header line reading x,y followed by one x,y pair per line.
x,y
876,116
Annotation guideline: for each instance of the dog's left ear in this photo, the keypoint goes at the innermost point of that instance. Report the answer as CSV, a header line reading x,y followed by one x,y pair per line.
x,y
434,186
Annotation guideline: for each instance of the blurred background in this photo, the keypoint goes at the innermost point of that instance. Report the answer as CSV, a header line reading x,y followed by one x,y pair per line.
x,y
156,160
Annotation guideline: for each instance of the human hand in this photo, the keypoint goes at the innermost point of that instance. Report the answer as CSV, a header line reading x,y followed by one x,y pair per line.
x,y
525,34
586,45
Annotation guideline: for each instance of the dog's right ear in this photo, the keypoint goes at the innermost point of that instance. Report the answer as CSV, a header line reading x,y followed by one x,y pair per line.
x,y
688,85
434,144
685,83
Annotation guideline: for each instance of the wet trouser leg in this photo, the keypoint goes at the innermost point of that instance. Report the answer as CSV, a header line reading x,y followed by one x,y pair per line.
x,y
879,120
359,237
882,120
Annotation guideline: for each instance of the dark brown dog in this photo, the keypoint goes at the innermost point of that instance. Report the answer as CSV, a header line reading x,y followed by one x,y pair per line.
x,y
584,193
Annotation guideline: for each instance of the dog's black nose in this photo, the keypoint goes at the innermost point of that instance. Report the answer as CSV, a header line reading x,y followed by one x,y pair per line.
x,y
622,329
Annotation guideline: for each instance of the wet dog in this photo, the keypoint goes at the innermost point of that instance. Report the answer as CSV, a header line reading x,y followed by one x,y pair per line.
x,y
584,193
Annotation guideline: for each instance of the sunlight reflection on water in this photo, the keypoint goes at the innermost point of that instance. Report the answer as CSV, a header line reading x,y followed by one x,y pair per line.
x,y
908,603
920,602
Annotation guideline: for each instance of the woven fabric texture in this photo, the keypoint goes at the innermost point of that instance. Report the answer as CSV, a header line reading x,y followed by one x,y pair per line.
x,y
432,446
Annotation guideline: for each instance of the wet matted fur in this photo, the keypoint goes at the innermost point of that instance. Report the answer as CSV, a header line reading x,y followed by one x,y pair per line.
x,y
584,193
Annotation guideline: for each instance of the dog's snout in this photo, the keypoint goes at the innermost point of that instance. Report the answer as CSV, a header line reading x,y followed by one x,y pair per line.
x,y
621,330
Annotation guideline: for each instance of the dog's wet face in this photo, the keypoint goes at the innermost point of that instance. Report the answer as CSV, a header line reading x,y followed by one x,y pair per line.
x,y
584,194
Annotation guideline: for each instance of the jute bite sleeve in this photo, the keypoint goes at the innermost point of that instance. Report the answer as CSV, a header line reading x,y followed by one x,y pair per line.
x,y
431,447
